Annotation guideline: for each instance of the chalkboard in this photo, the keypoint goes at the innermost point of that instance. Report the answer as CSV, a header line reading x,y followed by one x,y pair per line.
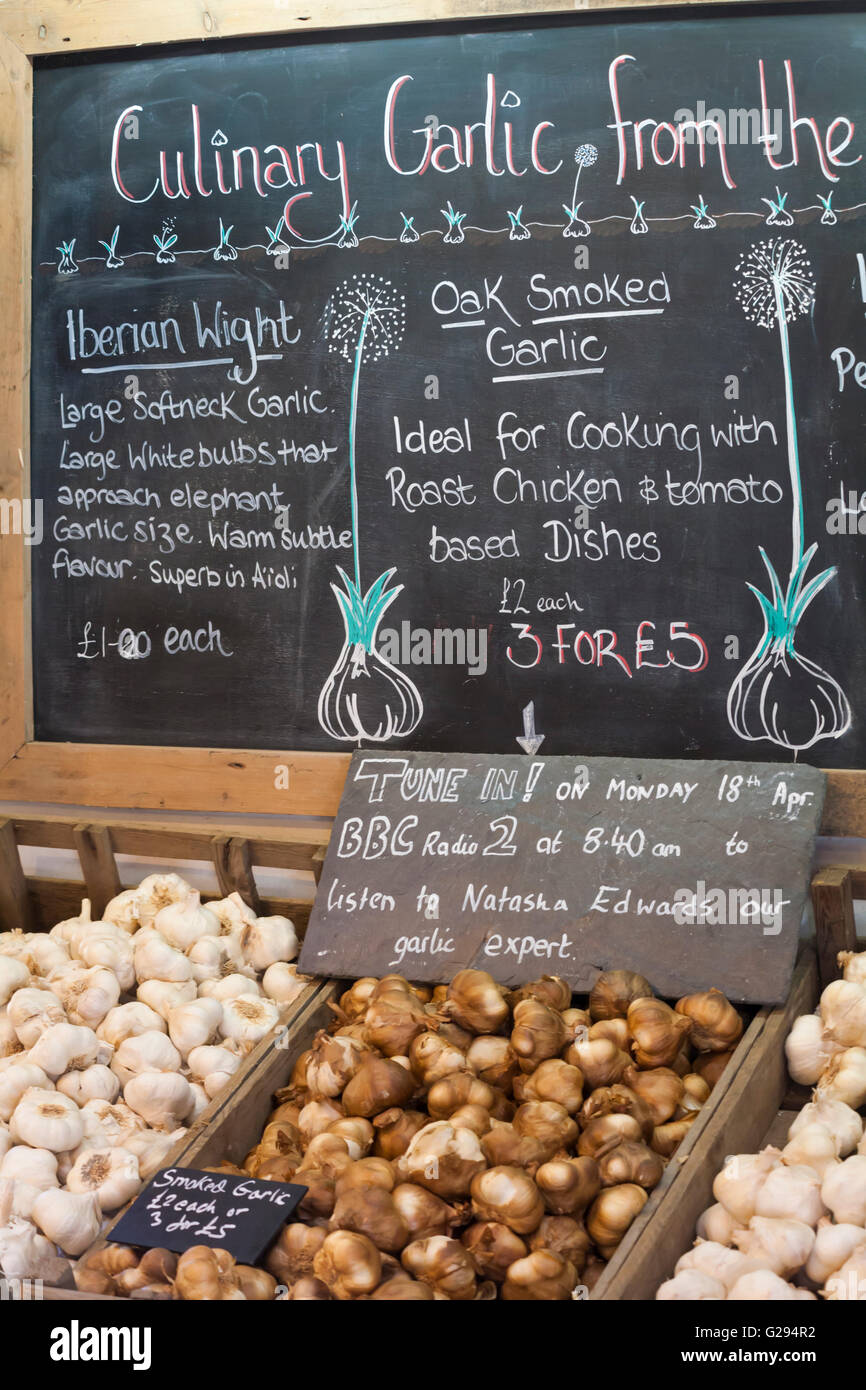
x,y
386,383
182,1207
692,873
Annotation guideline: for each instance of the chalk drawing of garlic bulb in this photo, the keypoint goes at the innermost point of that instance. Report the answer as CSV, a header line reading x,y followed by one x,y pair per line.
x,y
225,251
365,697
779,694
67,264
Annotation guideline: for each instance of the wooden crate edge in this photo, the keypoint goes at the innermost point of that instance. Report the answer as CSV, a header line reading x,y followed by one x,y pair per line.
x,y
737,1125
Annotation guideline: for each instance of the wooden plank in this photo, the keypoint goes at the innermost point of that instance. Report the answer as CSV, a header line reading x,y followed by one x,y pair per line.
x,y
96,856
845,804
737,1125
234,870
613,1273
16,908
177,779
15,220
834,919
55,26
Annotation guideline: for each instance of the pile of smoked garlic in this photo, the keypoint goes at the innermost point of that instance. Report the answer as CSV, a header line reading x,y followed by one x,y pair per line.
x,y
467,1142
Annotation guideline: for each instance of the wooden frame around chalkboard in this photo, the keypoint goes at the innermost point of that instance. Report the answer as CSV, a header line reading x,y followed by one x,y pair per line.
x,y
162,778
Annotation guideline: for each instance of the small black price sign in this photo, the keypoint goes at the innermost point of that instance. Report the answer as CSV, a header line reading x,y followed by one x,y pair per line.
x,y
181,1207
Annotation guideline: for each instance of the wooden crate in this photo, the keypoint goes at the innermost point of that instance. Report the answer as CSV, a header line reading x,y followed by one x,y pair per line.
x,y
35,904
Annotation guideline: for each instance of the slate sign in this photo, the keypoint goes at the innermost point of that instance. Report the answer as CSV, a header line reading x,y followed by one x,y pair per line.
x,y
181,1207
384,382
692,873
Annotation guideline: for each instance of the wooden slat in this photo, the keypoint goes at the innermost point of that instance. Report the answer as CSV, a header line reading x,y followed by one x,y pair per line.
x,y
834,919
16,908
737,1125
56,26
610,1280
845,804
15,222
234,869
177,779
96,856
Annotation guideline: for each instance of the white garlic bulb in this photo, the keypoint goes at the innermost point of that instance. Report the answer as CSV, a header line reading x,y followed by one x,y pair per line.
x,y
282,983
10,1043
127,1021
122,911
162,1098
843,1009
152,1150
46,1120
727,1266
232,912
211,957
152,1051
229,987
247,1019
716,1224
848,1282
63,931
268,940
200,1102
762,1286
845,1078
110,1174
70,1219
844,1191
112,954
5,1139
212,1067
194,1024
93,1083
782,1245
67,1047
853,966
792,1192
738,1183
86,993
47,954
843,1122
15,1080
691,1286
14,975
834,1244
808,1049
164,995
157,891
816,1146
25,1254
31,1011
38,1167
116,1121
156,960
184,923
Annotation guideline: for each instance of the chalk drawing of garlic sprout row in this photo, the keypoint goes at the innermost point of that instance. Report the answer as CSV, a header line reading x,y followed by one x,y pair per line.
x,y
584,157
365,697
779,694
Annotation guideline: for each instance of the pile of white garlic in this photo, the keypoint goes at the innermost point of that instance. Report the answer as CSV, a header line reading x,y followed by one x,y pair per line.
x,y
791,1223
114,1037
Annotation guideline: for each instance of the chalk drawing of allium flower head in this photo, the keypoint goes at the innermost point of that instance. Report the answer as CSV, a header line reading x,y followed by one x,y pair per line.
x,y
364,696
779,694
584,157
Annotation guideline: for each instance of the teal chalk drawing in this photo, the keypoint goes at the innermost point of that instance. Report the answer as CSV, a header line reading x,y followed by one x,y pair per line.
x,y
703,221
638,222
778,216
584,157
455,225
113,261
225,251
67,264
348,235
277,246
364,696
408,233
518,231
165,240
779,694
828,216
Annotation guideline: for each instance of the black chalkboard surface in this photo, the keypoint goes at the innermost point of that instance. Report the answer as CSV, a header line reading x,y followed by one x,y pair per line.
x,y
385,384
